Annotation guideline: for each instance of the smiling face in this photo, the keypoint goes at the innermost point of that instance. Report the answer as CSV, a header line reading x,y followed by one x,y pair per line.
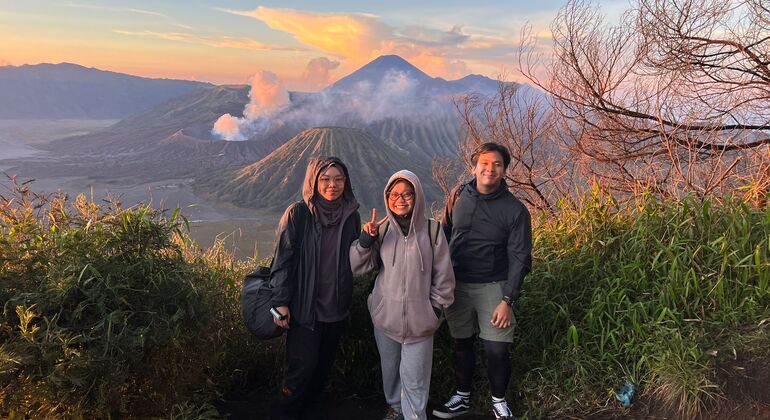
x,y
489,171
401,198
331,183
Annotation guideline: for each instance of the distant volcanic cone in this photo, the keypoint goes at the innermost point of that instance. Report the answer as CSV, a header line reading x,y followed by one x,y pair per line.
x,y
275,181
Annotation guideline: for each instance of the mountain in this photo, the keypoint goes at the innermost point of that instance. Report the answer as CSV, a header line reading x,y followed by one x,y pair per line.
x,y
194,112
52,91
275,181
377,70
170,141
394,69
406,115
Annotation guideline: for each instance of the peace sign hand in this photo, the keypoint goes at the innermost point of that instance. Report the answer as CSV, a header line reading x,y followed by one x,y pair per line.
x,y
373,227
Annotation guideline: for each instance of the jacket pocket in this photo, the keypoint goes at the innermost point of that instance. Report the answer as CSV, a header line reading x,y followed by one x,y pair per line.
x,y
421,320
388,316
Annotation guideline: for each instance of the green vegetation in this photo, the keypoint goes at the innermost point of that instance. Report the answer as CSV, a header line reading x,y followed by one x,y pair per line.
x,y
660,293
109,311
113,312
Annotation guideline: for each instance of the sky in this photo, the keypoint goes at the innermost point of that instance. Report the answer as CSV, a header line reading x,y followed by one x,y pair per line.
x,y
307,44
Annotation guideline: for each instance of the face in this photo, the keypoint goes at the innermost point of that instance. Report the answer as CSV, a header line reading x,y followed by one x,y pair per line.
x,y
401,198
489,171
331,183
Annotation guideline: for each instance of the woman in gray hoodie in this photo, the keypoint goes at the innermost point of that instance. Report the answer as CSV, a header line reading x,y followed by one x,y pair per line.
x,y
415,282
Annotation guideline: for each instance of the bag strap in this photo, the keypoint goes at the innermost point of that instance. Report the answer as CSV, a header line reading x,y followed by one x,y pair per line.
x,y
434,227
300,221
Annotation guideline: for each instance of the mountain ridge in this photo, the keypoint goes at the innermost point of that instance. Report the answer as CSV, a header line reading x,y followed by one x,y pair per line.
x,y
67,90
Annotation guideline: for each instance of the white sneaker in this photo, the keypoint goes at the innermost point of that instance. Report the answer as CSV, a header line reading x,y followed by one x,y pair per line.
x,y
501,410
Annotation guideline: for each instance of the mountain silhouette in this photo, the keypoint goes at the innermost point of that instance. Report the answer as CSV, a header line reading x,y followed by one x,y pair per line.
x,y
377,70
50,91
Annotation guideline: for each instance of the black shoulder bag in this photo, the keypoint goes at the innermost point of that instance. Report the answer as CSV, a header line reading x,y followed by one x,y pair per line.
x,y
256,292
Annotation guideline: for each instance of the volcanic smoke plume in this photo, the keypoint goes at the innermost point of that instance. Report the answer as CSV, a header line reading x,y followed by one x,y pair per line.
x,y
267,95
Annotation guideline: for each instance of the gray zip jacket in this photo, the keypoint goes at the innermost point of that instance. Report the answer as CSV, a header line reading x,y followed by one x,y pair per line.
x,y
414,277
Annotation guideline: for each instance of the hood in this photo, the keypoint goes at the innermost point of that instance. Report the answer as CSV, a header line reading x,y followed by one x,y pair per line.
x,y
418,213
315,166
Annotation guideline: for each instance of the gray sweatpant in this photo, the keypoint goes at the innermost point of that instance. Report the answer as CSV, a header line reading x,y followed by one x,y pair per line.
x,y
405,374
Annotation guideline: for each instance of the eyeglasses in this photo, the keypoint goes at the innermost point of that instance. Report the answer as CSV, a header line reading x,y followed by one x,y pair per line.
x,y
336,180
407,196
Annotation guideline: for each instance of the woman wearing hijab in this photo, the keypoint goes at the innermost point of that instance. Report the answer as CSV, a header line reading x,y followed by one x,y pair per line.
x,y
415,282
312,281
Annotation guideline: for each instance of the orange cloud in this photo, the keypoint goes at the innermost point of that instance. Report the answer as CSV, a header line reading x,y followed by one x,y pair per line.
x,y
352,36
359,38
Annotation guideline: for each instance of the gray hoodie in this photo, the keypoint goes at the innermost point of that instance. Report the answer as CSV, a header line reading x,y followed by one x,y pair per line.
x,y
413,276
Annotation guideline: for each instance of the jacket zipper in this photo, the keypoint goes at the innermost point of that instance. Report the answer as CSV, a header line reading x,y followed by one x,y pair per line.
x,y
403,290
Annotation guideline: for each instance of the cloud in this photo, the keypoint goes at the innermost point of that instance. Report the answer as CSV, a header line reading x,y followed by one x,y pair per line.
x,y
115,9
433,37
228,128
358,38
396,96
267,96
317,74
213,41
345,35
4,63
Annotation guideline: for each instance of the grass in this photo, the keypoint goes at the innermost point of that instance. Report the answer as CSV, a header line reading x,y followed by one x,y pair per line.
x,y
115,312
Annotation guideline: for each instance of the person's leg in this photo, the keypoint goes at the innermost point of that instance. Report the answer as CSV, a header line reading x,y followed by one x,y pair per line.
x,y
496,343
464,363
390,360
330,335
498,367
463,325
462,321
416,364
302,347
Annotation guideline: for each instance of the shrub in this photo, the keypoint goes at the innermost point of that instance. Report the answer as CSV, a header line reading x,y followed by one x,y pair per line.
x,y
108,311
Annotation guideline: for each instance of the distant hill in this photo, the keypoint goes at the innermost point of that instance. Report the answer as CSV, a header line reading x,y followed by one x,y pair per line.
x,y
51,91
193,113
171,140
275,181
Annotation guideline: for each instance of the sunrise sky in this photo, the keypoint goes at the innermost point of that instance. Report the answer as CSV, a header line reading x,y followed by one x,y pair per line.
x,y
306,43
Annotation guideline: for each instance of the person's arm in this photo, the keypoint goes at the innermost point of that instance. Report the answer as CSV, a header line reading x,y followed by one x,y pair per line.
x,y
283,272
365,251
442,286
446,219
519,250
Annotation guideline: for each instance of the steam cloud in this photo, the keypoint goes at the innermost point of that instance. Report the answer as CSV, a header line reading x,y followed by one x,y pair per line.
x,y
267,95
396,96
318,72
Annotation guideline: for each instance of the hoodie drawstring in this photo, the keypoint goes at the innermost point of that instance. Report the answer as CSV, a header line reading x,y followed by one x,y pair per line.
x,y
417,242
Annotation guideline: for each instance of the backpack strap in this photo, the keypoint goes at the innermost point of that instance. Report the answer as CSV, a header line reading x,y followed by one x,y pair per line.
x,y
434,227
383,230
302,214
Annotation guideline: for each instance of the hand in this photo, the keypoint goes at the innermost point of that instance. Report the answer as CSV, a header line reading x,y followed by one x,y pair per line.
x,y
502,317
285,322
373,227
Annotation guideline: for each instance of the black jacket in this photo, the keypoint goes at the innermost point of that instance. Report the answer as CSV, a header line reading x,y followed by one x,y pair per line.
x,y
294,273
490,237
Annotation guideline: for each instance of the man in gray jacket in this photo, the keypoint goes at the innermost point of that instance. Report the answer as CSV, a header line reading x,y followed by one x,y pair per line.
x,y
490,241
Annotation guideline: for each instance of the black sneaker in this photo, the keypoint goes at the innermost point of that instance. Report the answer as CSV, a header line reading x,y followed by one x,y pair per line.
x,y
501,410
456,406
